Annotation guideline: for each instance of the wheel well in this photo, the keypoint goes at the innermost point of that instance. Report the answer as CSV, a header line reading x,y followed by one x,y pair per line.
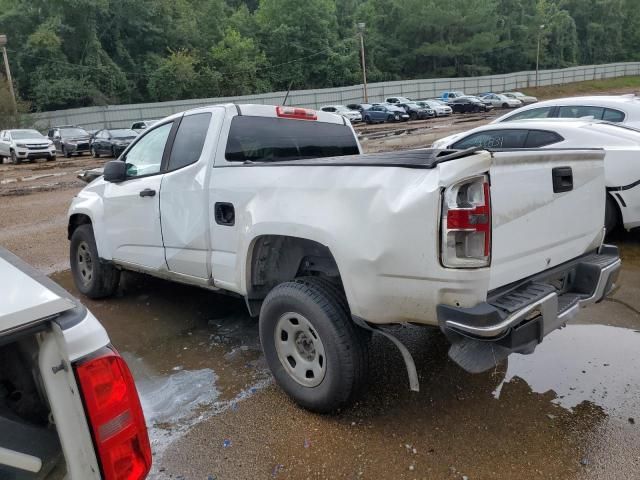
x,y
75,221
275,259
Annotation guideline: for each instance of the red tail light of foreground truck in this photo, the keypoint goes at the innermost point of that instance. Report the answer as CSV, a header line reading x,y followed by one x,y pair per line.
x,y
466,224
117,423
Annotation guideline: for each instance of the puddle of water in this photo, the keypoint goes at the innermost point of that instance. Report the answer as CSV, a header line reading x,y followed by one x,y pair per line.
x,y
584,363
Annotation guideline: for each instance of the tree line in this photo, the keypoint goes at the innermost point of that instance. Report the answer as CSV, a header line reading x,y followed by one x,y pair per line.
x,y
74,53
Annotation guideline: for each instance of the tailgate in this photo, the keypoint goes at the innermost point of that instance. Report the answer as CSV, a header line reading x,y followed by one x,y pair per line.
x,y
537,225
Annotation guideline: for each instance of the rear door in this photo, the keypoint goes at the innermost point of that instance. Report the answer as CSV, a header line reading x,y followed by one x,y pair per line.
x,y
184,197
547,208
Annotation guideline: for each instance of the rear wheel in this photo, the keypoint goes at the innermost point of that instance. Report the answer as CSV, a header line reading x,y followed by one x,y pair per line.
x,y
505,105
92,277
317,355
414,116
367,120
65,152
94,152
611,215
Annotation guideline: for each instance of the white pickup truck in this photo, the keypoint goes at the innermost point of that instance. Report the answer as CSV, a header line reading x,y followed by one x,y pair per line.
x,y
68,406
278,205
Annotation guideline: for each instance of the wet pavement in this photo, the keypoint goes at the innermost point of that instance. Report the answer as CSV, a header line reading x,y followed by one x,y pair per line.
x,y
570,410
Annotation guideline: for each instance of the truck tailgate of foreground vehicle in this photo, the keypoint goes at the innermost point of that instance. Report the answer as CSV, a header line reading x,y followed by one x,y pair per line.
x,y
547,209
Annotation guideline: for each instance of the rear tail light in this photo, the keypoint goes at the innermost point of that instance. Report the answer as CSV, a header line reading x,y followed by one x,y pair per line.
x,y
295,112
466,224
115,415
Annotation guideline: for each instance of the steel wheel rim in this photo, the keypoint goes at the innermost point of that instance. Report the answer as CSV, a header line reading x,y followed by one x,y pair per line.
x,y
84,262
300,349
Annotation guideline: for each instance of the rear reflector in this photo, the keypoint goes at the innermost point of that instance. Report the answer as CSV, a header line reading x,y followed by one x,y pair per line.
x,y
295,112
115,415
466,224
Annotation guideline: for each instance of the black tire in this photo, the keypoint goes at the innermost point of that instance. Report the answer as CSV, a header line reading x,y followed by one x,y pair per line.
x,y
65,153
113,152
611,215
14,158
92,277
396,117
413,116
505,105
94,153
367,120
345,345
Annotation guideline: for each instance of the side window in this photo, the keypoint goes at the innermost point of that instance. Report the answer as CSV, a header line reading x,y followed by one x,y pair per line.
x,y
541,138
612,115
542,112
493,139
578,111
135,126
189,140
50,134
145,157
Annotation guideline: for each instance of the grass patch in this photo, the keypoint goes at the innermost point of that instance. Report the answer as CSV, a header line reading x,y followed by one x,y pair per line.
x,y
614,86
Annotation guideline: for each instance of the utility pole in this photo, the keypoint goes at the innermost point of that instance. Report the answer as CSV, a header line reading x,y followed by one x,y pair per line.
x,y
538,53
364,66
3,43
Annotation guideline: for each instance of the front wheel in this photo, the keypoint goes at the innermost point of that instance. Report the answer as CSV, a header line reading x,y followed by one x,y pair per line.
x,y
14,158
94,152
367,120
92,277
65,153
317,355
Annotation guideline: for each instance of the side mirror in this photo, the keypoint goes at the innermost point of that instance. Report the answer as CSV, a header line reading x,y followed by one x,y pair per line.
x,y
115,171
56,137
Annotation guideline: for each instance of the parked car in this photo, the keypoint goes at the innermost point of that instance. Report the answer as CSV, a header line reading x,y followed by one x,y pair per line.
x,y
525,99
21,145
111,141
468,104
621,144
68,405
611,108
142,125
441,109
448,96
397,100
486,102
326,244
501,101
380,112
69,140
416,112
360,107
353,116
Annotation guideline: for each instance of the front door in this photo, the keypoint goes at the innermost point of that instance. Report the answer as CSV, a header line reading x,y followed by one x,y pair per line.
x,y
4,144
132,207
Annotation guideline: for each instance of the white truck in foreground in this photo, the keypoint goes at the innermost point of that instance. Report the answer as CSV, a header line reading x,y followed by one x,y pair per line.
x,y
68,406
278,205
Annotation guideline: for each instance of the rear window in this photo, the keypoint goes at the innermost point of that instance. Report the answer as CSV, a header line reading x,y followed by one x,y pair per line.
x,y
541,138
579,111
611,115
267,139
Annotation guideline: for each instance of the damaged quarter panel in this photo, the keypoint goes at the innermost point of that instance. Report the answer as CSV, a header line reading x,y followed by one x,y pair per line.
x,y
380,224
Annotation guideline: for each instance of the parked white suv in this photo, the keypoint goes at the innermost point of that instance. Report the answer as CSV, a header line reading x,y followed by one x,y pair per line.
x,y
68,404
25,145
353,116
277,205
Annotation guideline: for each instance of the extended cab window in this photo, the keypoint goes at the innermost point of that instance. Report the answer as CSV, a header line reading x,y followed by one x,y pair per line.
x,y
145,157
493,139
189,140
268,139
541,138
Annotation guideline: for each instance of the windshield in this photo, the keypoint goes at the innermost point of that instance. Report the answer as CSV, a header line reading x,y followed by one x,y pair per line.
x,y
413,105
123,133
24,134
73,132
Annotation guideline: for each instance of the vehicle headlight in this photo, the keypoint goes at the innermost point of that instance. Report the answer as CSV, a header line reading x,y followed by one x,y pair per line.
x,y
21,145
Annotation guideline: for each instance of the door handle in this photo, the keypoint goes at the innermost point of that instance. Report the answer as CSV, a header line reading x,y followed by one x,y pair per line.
x,y
562,179
148,192
225,214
